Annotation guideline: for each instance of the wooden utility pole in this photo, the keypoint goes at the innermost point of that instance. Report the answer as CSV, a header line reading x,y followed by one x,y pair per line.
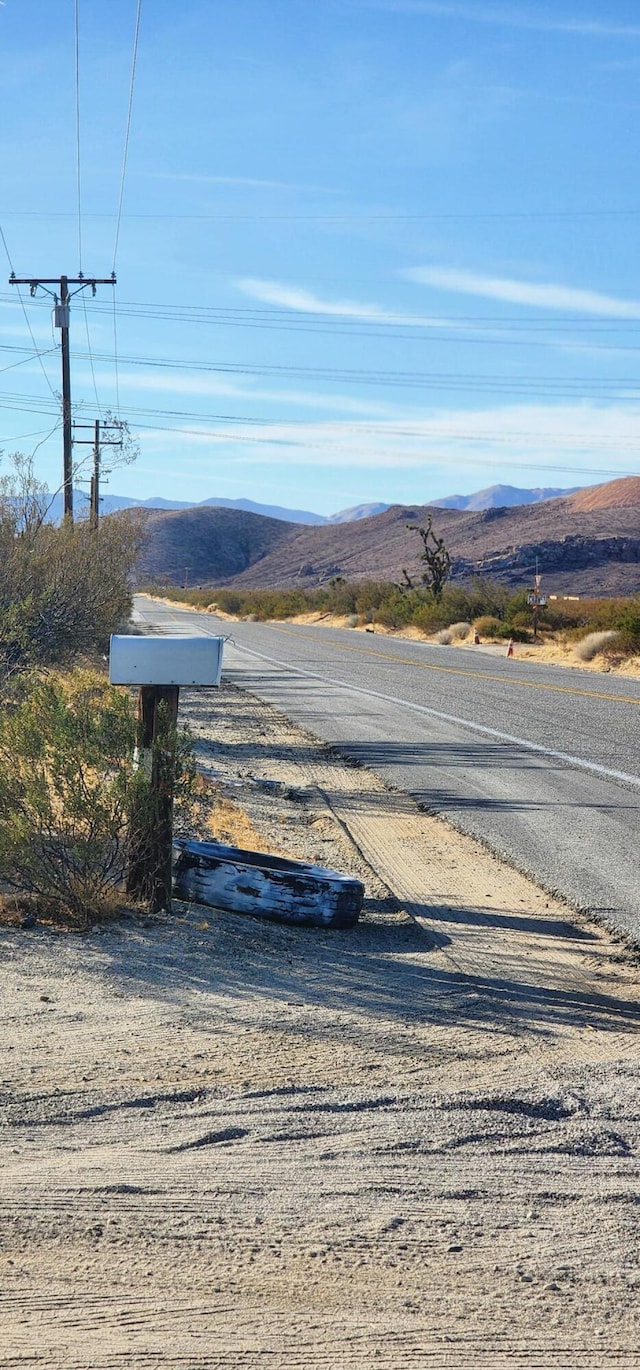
x,y
94,503
98,441
62,301
150,848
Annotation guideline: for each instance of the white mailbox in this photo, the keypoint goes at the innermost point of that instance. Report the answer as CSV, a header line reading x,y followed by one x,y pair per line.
x,y
165,660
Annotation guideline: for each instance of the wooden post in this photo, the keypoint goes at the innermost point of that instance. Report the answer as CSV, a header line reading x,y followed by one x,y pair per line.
x,y
151,837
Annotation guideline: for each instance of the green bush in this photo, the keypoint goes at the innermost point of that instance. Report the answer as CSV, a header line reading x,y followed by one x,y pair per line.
x,y
496,611
69,785
62,590
488,626
627,624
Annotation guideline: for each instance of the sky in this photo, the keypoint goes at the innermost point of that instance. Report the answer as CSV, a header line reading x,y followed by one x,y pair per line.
x,y
367,250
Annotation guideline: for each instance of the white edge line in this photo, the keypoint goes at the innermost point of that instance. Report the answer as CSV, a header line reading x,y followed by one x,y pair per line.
x,y
576,761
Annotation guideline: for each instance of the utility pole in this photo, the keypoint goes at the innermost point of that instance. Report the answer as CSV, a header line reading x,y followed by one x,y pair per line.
x,y
537,601
98,441
61,303
94,502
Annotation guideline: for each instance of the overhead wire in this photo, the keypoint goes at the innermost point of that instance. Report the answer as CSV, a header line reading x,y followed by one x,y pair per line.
x,y
128,129
489,216
125,155
37,351
411,429
79,194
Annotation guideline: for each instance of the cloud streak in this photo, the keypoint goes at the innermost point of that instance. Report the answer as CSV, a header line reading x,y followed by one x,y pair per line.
x,y
305,302
251,182
540,295
212,387
510,18
581,437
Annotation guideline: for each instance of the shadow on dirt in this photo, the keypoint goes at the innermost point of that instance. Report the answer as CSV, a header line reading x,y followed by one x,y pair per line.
x,y
382,968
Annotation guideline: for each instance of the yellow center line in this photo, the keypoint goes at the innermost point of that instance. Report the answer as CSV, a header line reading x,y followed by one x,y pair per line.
x,y
460,670
452,670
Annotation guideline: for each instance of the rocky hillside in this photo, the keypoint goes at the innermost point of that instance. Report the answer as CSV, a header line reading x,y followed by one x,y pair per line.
x,y
592,550
207,545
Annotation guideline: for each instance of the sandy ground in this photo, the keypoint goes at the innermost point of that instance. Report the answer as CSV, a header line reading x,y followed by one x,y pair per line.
x,y
234,1144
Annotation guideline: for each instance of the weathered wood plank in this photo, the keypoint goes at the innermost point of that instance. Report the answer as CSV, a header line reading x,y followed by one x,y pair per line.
x,y
265,886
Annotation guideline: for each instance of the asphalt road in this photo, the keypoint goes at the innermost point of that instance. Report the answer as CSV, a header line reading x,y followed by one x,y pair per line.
x,y
541,763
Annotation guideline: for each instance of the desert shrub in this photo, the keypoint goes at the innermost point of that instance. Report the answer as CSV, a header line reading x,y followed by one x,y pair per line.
x,y
341,596
509,630
399,608
62,590
230,601
594,643
488,626
68,787
444,637
459,631
353,621
627,623
370,594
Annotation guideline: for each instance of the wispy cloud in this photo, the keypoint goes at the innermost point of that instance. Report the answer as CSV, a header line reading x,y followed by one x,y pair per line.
x,y
585,439
305,302
252,182
510,18
214,387
540,295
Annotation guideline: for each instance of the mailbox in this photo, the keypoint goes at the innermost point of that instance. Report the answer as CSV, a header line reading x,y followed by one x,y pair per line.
x,y
165,660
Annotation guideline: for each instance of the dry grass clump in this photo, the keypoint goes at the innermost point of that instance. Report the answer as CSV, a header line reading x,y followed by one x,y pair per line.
x,y
221,819
353,621
594,643
444,637
459,631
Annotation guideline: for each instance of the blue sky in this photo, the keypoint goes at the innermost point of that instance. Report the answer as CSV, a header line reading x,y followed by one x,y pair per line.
x,y
369,249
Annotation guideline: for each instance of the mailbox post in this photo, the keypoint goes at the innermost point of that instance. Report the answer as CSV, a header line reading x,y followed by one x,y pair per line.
x,y
159,666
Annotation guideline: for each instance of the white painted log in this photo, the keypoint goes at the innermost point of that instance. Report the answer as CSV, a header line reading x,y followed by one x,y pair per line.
x,y
265,886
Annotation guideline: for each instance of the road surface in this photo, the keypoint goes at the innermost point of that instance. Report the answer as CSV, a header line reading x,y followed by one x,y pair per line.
x,y
541,763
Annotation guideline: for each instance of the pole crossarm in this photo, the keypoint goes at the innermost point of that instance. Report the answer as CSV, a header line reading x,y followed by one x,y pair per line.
x,y
34,281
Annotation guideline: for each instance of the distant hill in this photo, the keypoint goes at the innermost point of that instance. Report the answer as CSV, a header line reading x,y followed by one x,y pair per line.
x,y
500,497
616,494
496,496
580,551
359,511
273,511
110,504
206,545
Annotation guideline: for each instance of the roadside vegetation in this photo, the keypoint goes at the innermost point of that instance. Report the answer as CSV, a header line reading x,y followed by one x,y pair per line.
x,y
68,779
492,610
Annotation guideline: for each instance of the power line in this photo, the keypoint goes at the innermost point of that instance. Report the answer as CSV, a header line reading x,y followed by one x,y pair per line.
x,y
115,352
569,215
77,89
23,360
37,351
339,428
127,131
307,318
79,190
540,385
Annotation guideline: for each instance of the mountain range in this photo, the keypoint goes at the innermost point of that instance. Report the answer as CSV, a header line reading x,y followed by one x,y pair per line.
x,y
494,497
585,543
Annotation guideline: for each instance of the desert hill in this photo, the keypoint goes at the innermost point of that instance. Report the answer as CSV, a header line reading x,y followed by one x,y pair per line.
x,y
615,494
580,551
210,544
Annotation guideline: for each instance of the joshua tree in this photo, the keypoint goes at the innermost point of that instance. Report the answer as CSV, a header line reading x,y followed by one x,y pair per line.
x,y
435,556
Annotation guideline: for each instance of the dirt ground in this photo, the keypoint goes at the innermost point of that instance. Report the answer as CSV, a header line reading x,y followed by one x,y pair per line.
x,y
233,1144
